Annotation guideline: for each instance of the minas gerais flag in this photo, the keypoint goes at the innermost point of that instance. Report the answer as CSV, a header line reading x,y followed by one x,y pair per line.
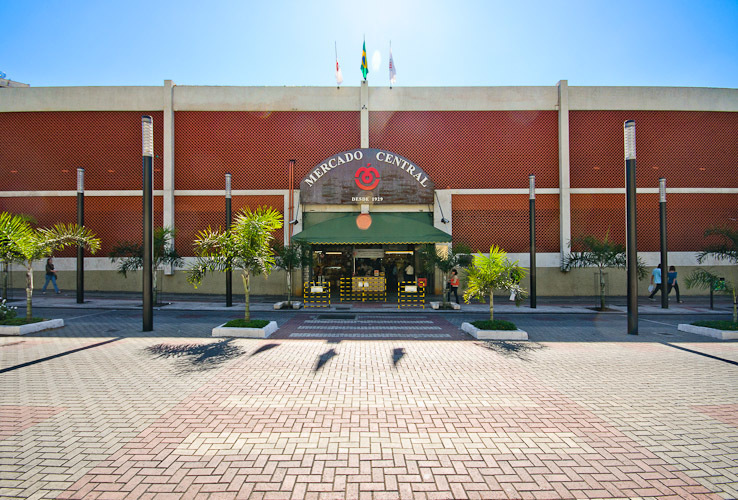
x,y
364,66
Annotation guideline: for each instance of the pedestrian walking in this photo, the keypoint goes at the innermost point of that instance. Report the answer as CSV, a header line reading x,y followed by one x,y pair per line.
x,y
671,282
655,282
453,286
50,276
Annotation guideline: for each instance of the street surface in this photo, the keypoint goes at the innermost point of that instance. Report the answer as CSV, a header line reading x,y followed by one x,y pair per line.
x,y
353,404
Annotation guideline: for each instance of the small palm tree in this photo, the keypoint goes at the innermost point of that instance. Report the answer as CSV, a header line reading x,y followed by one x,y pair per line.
x,y
726,249
432,257
247,246
129,256
291,257
601,254
23,244
494,272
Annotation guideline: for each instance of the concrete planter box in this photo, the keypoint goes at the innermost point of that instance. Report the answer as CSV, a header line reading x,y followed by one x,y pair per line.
x,y
283,305
31,328
710,332
249,333
437,305
494,334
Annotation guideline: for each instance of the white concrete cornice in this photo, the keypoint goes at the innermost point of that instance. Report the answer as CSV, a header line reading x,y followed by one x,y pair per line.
x,y
652,99
463,98
190,98
214,98
81,99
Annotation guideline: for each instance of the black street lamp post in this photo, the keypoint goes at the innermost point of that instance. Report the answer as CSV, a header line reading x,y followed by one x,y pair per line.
x,y
147,134
664,248
532,219
80,223
630,222
229,272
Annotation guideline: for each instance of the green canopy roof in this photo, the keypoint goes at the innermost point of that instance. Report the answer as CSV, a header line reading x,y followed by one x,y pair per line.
x,y
386,228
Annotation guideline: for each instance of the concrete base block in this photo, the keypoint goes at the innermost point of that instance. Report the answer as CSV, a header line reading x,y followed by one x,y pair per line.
x,y
437,305
249,333
494,334
31,328
283,305
710,332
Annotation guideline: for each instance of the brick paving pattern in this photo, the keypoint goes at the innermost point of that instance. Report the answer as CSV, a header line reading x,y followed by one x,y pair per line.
x,y
176,414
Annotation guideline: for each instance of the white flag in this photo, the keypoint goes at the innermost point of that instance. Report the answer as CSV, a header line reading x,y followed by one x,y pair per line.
x,y
393,70
339,76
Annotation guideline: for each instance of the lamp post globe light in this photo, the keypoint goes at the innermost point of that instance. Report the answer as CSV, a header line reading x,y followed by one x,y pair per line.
x,y
80,223
630,223
147,135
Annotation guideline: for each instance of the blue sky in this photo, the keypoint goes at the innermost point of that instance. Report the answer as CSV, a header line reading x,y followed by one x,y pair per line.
x,y
434,43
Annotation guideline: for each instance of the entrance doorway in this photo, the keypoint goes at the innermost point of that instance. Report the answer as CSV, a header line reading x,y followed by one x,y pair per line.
x,y
394,263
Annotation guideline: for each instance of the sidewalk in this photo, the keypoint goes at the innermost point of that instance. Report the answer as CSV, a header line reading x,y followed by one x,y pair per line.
x,y
258,303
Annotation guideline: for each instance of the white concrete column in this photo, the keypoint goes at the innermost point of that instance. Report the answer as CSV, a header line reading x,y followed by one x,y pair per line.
x,y
168,157
564,179
364,114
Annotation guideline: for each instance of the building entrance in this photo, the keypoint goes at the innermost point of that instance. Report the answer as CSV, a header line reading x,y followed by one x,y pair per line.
x,y
365,271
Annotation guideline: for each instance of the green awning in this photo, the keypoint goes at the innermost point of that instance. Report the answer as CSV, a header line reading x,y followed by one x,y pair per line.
x,y
385,228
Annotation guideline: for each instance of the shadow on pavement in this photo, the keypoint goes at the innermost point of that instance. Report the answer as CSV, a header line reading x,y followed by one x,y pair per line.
x,y
197,357
519,350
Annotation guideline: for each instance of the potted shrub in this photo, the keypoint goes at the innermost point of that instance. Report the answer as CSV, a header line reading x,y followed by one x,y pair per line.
x,y
294,256
432,257
129,256
245,247
601,254
724,249
485,275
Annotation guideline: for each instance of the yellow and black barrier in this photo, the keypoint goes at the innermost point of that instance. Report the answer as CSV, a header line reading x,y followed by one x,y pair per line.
x,y
410,294
363,288
316,294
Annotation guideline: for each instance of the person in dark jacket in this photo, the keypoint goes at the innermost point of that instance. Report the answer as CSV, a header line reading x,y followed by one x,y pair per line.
x,y
671,282
50,276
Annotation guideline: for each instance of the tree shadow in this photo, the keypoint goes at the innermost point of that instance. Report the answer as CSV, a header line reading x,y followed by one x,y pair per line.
x,y
324,358
512,349
198,357
264,348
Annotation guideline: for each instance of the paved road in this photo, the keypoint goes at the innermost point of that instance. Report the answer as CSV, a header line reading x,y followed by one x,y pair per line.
x,y
99,409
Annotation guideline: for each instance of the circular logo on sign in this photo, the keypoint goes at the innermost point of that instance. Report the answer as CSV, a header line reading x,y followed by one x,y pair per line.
x,y
367,177
364,221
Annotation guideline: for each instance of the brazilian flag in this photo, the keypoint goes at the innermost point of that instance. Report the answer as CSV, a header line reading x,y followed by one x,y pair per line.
x,y
364,66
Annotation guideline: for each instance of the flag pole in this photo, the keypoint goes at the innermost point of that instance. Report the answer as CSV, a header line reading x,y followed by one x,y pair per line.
x,y
391,74
335,46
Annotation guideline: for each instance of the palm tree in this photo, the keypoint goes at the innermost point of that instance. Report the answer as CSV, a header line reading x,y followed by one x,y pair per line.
x,y
432,257
130,255
601,254
726,249
293,256
246,246
23,244
493,272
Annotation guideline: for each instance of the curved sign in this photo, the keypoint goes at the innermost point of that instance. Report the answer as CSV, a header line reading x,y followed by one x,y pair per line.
x,y
366,175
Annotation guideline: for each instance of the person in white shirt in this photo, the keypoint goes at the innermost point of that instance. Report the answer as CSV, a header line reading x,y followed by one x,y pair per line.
x,y
655,280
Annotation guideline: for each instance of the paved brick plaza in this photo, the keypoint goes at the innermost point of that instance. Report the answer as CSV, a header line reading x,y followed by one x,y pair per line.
x,y
580,411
